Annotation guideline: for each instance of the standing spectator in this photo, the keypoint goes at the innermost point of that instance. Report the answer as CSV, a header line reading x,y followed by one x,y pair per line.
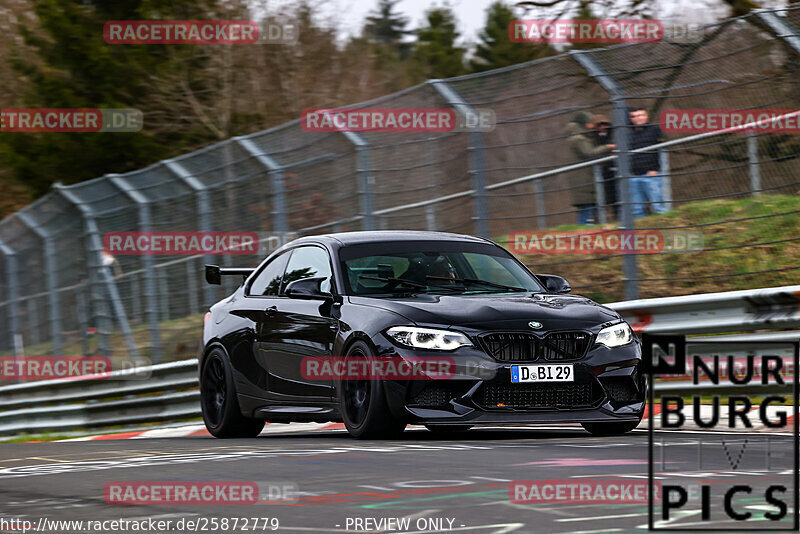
x,y
603,136
582,148
646,181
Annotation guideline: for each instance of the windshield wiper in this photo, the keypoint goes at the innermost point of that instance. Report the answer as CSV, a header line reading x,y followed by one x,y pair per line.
x,y
476,281
396,280
403,281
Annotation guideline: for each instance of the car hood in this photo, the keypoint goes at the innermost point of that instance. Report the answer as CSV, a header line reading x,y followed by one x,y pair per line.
x,y
498,312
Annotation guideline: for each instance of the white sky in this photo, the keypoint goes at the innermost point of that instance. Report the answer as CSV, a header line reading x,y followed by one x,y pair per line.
x,y
471,14
349,15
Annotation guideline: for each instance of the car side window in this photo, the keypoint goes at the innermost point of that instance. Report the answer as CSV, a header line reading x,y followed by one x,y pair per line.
x,y
308,262
268,281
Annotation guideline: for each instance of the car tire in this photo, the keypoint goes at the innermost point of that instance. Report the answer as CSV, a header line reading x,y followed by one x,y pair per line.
x,y
362,403
609,429
444,429
219,402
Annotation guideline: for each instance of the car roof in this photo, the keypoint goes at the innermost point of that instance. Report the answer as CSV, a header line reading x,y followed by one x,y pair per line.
x,y
380,236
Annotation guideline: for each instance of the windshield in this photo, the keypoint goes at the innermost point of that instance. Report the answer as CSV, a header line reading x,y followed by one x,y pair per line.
x,y
392,268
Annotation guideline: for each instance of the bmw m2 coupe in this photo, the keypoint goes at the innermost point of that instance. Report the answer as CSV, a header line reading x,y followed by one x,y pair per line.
x,y
464,334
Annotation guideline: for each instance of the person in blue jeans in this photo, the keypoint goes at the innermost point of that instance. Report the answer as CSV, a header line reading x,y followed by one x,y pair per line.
x,y
646,181
582,148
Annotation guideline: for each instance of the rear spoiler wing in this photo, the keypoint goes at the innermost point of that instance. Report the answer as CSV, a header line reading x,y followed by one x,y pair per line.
x,y
214,273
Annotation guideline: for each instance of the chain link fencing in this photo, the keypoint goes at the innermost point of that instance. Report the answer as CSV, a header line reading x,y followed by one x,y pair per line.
x,y
60,294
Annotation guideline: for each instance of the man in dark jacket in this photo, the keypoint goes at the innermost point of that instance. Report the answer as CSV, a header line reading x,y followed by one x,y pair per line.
x,y
646,181
581,146
603,136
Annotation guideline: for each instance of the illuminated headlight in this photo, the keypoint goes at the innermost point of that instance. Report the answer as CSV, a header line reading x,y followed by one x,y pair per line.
x,y
615,335
427,338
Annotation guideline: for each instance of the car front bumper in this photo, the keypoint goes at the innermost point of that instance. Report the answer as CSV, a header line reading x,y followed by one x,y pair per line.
x,y
608,386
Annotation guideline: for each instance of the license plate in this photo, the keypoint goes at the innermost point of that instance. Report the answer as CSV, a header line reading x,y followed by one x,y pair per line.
x,y
542,373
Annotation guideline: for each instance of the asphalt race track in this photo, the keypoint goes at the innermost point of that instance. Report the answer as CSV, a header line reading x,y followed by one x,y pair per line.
x,y
453,483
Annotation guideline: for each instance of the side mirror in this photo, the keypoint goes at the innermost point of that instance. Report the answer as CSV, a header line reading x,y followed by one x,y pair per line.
x,y
308,288
554,283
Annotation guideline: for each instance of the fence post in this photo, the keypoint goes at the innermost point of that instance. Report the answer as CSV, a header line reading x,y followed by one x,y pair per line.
x,y
275,171
49,252
365,179
666,178
83,319
477,156
783,30
136,303
541,215
33,313
430,217
100,275
191,282
13,298
622,138
789,35
203,214
478,171
162,280
600,193
753,163
150,293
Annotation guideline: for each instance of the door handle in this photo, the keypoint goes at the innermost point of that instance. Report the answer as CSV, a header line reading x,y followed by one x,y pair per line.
x,y
271,311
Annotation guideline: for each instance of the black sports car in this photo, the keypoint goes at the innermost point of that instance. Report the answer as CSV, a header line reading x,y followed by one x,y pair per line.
x,y
470,335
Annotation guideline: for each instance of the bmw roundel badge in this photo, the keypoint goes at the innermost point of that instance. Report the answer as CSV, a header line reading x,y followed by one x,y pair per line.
x,y
535,325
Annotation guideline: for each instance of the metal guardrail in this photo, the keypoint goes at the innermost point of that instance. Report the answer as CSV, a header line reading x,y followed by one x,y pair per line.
x,y
149,394
170,390
770,308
